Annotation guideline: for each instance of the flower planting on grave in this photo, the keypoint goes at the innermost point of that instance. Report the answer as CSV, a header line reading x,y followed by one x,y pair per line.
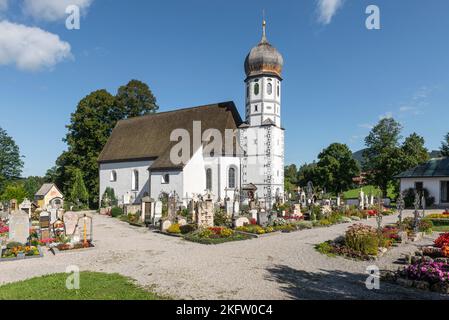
x,y
16,250
361,242
215,235
427,269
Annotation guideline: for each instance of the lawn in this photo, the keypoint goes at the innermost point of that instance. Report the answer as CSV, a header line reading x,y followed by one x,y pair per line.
x,y
93,286
354,193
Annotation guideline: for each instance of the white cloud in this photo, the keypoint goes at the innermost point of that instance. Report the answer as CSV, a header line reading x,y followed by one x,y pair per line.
x,y
52,10
3,5
30,48
327,9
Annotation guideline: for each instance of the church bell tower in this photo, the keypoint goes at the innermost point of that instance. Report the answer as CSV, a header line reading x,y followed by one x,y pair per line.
x,y
262,136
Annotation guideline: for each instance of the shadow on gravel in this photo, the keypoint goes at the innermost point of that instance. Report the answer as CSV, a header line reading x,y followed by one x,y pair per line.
x,y
340,285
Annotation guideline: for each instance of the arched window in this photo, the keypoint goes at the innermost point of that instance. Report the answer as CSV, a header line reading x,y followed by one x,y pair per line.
x,y
256,89
113,176
269,89
209,179
135,180
231,178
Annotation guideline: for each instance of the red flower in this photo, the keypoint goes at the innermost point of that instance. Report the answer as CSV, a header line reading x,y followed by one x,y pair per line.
x,y
252,221
442,240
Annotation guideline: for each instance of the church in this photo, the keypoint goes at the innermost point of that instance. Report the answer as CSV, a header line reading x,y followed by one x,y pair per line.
x,y
139,158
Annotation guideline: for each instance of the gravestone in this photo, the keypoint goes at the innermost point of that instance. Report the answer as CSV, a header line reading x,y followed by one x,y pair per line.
x,y
19,227
253,213
13,205
25,206
71,220
126,199
206,212
182,221
44,220
362,200
165,225
240,222
172,202
53,215
262,218
229,208
157,212
236,209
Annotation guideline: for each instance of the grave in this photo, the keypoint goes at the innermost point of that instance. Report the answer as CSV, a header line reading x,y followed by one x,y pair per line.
x,y
236,209
53,215
70,220
19,227
240,222
262,218
206,212
157,212
25,206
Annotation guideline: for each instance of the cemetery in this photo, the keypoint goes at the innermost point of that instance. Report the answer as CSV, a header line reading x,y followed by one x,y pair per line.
x,y
26,228
204,220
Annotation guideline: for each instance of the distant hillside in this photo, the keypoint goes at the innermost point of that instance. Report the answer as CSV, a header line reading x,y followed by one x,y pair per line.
x,y
358,156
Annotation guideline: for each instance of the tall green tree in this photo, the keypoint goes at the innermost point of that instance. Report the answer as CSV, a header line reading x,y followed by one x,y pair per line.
x,y
14,190
79,195
290,178
337,168
445,146
11,163
135,99
383,155
32,185
308,172
413,152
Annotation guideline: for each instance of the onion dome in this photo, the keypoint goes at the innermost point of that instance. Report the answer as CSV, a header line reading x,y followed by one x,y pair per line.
x,y
264,59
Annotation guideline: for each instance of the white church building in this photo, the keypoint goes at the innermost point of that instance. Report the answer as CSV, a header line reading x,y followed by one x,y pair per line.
x,y
141,156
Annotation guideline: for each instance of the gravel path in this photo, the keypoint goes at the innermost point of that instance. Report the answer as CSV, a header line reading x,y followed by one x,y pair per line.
x,y
280,266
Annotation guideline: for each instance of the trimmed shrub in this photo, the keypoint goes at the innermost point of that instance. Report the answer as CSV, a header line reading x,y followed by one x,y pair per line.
x,y
116,212
188,228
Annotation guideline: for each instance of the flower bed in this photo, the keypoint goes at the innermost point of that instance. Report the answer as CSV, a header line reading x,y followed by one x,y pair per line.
x,y
215,235
360,242
255,229
17,251
74,246
432,276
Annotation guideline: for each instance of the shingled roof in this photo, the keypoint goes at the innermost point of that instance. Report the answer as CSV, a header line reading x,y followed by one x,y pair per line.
x,y
438,167
148,137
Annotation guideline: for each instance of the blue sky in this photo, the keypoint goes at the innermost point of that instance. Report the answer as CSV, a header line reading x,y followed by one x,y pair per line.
x,y
339,77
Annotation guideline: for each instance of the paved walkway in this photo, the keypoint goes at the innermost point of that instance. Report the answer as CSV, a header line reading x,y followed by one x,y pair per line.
x,y
281,266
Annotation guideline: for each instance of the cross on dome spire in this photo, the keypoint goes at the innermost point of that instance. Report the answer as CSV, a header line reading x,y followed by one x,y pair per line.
x,y
264,27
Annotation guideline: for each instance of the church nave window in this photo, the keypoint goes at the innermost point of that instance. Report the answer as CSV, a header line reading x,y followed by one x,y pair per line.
x,y
165,178
231,178
135,181
209,179
113,176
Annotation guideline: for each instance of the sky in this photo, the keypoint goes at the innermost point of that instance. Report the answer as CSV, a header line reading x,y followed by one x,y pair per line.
x,y
340,78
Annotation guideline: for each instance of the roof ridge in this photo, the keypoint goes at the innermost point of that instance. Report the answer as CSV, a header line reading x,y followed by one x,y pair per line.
x,y
217,104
